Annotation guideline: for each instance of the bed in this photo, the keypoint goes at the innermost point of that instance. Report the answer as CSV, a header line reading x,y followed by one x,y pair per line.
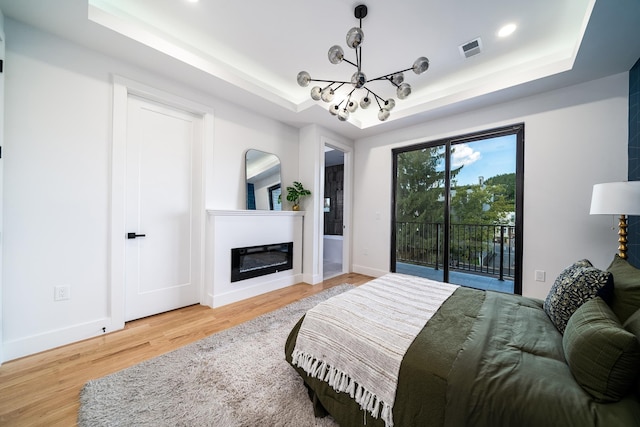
x,y
476,358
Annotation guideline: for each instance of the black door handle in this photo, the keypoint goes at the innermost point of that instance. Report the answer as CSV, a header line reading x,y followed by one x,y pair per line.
x,y
134,235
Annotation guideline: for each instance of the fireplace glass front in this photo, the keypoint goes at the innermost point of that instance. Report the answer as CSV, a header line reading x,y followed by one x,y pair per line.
x,y
254,261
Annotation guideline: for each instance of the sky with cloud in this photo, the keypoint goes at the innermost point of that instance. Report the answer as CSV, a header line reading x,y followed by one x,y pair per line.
x,y
486,158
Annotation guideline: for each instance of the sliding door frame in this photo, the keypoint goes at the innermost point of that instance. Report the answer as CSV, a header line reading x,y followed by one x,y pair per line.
x,y
515,129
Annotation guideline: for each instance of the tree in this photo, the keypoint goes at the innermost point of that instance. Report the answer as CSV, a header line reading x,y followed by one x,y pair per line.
x,y
419,204
420,185
474,209
507,182
475,204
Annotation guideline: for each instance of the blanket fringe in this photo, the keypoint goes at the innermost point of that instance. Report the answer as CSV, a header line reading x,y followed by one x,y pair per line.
x,y
342,382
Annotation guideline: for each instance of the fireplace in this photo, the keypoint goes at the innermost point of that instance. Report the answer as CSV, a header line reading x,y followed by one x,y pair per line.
x,y
254,261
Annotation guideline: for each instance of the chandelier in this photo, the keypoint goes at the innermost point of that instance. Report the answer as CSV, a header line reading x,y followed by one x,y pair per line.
x,y
359,80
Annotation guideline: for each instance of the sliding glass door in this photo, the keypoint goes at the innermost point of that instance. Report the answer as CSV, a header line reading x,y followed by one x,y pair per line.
x,y
458,210
420,208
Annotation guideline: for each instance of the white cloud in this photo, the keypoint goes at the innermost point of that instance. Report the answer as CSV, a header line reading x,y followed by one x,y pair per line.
x,y
464,155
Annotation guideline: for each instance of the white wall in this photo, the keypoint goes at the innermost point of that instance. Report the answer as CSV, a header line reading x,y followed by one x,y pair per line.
x,y
2,45
57,181
574,137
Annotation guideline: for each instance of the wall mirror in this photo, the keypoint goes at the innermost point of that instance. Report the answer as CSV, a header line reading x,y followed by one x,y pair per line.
x,y
263,181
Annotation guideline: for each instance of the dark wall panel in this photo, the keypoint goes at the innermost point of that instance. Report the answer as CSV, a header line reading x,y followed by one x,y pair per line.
x,y
634,159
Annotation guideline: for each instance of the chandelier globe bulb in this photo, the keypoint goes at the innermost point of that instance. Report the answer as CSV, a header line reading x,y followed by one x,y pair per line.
x,y
389,104
355,37
333,109
304,78
336,54
358,79
365,102
327,94
397,78
343,115
383,114
352,106
403,91
421,65
316,93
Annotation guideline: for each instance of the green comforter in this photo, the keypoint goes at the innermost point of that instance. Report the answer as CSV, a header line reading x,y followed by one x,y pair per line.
x,y
484,359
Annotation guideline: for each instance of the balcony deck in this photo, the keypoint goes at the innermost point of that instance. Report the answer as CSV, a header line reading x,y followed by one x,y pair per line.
x,y
459,278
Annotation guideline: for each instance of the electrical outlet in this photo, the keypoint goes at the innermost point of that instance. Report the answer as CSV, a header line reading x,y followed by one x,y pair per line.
x,y
61,293
540,275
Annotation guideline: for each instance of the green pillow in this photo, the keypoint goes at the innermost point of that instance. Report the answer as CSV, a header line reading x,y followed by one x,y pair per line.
x,y
633,325
579,282
626,288
604,358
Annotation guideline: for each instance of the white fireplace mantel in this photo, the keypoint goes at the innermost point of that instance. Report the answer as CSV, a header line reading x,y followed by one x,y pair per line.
x,y
254,213
227,229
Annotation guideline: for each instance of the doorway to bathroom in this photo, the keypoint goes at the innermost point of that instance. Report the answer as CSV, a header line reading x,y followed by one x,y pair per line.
x,y
333,212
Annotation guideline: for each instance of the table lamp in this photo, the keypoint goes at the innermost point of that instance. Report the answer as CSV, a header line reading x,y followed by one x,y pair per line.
x,y
617,198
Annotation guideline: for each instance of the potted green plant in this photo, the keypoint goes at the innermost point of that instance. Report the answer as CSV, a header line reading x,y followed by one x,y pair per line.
x,y
295,193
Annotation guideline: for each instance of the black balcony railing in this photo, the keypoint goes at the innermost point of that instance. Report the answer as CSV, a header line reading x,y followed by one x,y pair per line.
x,y
486,249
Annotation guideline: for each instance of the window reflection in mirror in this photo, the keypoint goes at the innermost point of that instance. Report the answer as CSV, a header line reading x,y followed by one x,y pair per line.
x,y
263,181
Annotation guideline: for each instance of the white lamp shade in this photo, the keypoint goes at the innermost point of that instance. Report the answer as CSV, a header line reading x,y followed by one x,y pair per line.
x,y
616,198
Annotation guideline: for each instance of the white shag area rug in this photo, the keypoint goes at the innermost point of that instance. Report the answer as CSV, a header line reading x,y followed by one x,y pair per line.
x,y
234,378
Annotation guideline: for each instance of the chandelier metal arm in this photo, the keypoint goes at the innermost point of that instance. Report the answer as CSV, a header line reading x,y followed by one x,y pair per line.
x,y
376,96
349,62
378,99
386,76
392,82
331,82
348,98
339,86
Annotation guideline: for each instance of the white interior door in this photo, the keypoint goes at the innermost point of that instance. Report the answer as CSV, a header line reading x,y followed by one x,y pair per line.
x,y
162,216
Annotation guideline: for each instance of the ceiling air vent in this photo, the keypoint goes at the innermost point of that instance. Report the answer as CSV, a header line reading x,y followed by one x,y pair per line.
x,y
470,48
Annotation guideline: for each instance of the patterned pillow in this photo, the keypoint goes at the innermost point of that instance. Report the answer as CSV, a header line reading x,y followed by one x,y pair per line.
x,y
577,284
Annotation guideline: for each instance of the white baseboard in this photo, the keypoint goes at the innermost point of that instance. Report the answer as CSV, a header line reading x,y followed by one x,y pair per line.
x,y
252,291
312,279
367,271
208,300
56,338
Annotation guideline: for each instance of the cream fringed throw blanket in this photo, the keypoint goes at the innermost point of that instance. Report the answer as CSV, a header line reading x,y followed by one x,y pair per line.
x,y
356,341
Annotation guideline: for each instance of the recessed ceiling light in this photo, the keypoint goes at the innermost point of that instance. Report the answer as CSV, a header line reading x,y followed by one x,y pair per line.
x,y
507,30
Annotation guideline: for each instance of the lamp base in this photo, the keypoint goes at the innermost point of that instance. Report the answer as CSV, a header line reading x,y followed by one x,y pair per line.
x,y
622,237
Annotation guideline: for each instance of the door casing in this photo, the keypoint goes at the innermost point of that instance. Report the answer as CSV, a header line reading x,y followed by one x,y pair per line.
x,y
347,205
122,89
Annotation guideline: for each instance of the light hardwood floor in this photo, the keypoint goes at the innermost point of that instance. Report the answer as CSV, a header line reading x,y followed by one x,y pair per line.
x,y
44,389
